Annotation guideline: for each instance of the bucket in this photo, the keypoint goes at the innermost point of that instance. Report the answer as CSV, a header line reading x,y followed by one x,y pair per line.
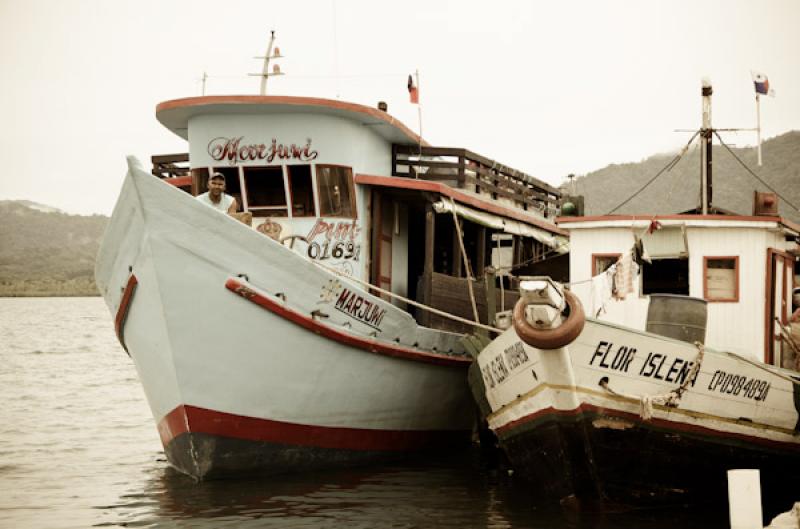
x,y
679,317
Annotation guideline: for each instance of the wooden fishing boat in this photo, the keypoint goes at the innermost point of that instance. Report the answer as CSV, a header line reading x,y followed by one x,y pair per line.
x,y
296,339
687,371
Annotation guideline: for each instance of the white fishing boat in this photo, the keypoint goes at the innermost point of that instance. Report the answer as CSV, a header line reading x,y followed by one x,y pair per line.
x,y
680,371
322,324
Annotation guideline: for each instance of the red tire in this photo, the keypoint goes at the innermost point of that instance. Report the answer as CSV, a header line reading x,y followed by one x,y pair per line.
x,y
562,335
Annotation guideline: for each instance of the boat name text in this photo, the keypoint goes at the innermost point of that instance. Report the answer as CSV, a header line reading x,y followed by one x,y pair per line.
x,y
733,384
357,307
495,372
655,365
233,151
338,240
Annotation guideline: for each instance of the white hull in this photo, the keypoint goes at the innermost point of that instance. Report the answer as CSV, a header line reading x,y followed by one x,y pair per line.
x,y
234,385
561,427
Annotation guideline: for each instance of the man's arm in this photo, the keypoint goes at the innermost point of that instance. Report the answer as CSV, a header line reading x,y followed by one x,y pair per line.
x,y
234,206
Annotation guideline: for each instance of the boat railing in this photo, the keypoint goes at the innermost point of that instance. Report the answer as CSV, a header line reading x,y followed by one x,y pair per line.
x,y
465,169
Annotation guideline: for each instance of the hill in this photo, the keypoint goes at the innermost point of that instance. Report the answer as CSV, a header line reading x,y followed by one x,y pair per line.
x,y
678,189
46,252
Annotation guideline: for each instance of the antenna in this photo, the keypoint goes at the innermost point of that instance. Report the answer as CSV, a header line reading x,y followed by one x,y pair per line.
x,y
276,70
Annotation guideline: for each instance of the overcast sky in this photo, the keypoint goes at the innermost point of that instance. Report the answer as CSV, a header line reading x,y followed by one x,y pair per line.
x,y
547,87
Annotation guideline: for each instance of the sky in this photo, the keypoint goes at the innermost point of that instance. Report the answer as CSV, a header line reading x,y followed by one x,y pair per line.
x,y
546,87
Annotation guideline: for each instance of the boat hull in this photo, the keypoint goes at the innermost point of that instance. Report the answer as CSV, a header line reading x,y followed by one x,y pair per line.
x,y
247,362
586,445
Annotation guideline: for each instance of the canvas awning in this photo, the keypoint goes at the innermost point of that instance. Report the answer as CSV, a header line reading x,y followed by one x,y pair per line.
x,y
558,243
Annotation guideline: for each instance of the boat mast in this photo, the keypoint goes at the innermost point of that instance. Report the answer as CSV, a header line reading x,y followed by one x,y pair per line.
x,y
705,152
265,73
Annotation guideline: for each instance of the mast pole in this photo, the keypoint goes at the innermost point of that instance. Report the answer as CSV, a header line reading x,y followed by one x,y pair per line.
x,y
706,135
758,125
265,69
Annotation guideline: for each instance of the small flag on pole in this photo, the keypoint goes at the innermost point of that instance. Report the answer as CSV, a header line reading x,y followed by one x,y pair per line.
x,y
413,91
762,84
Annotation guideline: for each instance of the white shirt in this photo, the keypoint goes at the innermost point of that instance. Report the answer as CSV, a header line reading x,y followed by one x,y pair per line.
x,y
224,203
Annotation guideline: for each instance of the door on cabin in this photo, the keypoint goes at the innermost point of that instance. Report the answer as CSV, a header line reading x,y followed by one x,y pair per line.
x,y
779,275
382,226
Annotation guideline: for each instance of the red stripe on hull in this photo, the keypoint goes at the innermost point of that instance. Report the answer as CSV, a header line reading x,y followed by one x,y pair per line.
x,y
661,424
373,346
191,419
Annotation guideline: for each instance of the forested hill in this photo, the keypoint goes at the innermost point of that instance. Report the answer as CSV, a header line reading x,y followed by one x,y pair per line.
x,y
46,252
678,189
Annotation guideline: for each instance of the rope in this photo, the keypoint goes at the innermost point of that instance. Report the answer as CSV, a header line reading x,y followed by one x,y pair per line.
x,y
670,399
762,367
752,173
466,260
667,167
432,310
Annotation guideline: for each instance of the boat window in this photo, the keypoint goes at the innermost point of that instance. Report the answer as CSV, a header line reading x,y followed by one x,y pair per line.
x,y
301,191
266,195
232,186
335,191
666,276
603,261
721,278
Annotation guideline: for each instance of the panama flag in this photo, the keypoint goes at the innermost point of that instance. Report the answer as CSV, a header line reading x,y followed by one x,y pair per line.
x,y
762,84
413,91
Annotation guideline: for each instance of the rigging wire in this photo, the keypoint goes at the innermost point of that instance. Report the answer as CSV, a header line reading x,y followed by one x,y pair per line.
x,y
752,173
667,167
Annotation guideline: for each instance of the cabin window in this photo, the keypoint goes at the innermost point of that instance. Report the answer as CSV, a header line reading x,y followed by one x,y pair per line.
x,y
266,195
232,186
603,261
502,253
301,191
721,278
666,276
335,191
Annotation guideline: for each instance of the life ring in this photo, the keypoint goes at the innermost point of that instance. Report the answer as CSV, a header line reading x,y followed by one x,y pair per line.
x,y
562,335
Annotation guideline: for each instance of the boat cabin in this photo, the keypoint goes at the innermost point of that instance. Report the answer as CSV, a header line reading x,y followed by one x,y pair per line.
x,y
355,190
742,266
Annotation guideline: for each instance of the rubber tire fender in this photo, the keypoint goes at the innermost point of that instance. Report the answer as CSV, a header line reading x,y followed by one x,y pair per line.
x,y
562,335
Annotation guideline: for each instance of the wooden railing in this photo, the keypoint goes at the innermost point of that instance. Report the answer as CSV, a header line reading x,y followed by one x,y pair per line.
x,y
465,169
171,165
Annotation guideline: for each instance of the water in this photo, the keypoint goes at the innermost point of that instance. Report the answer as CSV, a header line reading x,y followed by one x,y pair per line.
x,y
79,448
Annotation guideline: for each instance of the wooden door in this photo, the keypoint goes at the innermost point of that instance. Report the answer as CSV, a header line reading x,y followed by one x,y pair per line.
x,y
382,228
779,288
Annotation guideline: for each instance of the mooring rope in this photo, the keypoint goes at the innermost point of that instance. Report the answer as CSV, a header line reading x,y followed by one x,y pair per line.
x,y
370,286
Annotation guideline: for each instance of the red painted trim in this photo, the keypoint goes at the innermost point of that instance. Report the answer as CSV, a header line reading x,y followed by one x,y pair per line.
x,y
373,346
186,419
373,113
735,259
746,218
122,311
179,181
443,189
657,423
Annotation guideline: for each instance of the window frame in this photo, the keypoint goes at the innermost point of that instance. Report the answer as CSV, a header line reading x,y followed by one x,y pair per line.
x,y
735,259
597,256
246,198
350,183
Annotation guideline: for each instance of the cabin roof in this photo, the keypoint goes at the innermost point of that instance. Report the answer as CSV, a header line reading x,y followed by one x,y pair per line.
x,y
461,196
708,221
175,114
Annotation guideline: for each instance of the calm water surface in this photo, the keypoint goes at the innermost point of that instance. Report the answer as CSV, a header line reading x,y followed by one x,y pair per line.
x,y
79,448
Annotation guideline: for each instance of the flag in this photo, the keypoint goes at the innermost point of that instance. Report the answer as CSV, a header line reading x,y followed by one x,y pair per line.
x,y
413,91
762,84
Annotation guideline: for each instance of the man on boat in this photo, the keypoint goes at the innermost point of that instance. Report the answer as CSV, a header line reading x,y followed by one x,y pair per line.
x,y
216,196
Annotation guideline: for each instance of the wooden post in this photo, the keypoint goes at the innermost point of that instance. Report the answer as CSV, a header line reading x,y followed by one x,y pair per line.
x,y
491,297
457,261
427,270
481,253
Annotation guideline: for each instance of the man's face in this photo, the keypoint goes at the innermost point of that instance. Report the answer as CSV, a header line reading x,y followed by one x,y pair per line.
x,y
216,187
